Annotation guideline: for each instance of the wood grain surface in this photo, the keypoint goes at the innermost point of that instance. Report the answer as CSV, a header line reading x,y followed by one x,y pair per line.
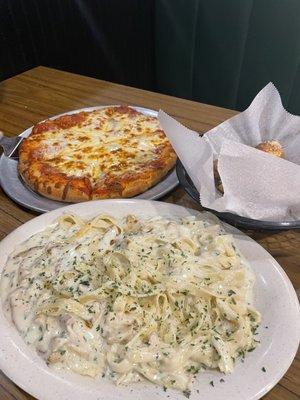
x,y
42,92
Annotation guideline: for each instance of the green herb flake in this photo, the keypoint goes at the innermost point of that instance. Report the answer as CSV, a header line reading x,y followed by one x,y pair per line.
x,y
187,393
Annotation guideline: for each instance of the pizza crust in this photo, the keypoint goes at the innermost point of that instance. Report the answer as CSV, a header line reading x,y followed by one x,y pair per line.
x,y
48,180
78,190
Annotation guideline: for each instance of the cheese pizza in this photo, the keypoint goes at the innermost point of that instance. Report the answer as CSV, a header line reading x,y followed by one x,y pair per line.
x,y
112,152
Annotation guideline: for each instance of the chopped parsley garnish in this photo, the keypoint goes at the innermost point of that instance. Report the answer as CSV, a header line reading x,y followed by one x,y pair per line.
x,y
84,282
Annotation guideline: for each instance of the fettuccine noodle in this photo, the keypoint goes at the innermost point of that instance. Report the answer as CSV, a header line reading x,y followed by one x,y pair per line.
x,y
153,298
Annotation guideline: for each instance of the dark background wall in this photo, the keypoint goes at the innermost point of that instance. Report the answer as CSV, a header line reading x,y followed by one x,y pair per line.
x,y
224,52
218,52
108,39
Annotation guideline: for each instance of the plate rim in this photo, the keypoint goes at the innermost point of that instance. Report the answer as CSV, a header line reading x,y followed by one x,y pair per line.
x,y
40,209
50,216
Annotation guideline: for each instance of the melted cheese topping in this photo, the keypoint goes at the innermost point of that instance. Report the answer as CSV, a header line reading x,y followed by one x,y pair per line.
x,y
157,298
103,144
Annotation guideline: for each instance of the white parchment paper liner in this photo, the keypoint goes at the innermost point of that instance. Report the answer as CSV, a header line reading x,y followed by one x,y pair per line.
x,y
256,184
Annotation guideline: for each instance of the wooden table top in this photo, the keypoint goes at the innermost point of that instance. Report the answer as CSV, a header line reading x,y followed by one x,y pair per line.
x,y
42,92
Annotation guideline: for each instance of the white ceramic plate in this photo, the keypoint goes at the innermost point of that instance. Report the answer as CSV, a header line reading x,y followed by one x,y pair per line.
x,y
274,297
15,188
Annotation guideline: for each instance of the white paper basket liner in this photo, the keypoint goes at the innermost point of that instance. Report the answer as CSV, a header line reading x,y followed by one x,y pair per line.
x,y
256,185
